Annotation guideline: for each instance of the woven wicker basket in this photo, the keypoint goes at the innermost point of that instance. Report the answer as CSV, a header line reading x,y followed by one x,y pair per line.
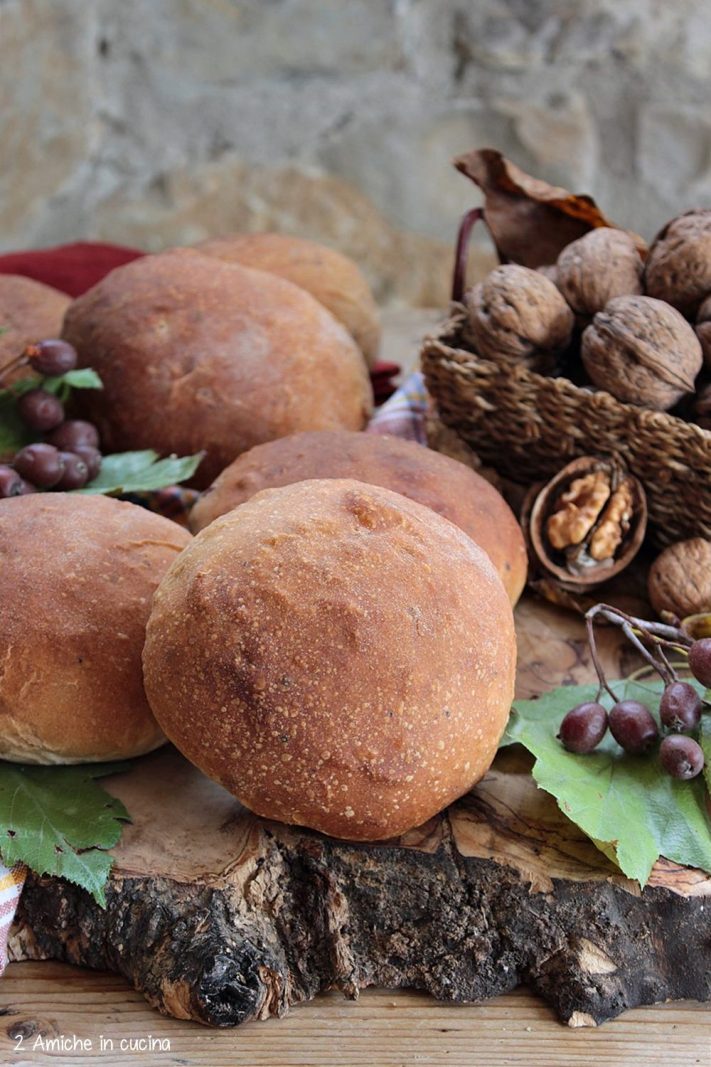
x,y
527,427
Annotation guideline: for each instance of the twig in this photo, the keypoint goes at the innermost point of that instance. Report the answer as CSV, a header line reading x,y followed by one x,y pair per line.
x,y
589,623
640,633
13,364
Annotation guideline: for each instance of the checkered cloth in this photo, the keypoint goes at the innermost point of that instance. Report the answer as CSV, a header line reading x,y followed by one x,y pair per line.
x,y
402,416
404,413
12,880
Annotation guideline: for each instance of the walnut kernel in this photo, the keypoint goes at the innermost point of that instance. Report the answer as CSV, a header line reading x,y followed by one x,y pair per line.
x,y
678,267
614,523
516,312
603,264
642,351
577,508
680,579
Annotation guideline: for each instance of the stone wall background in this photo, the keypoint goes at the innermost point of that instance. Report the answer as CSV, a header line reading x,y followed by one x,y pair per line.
x,y
155,122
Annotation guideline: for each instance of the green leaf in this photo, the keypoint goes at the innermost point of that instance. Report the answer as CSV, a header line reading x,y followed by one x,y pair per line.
x,y
705,742
627,805
22,386
57,820
135,472
81,378
14,435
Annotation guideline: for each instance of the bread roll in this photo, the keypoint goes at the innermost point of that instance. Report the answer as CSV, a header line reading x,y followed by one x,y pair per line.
x,y
336,655
77,574
198,354
332,278
428,477
29,312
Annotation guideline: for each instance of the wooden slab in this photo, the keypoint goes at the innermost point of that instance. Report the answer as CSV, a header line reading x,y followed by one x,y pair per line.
x,y
218,916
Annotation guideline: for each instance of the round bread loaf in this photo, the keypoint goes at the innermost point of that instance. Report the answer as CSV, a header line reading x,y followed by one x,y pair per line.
x,y
336,655
443,484
198,354
29,312
332,278
77,574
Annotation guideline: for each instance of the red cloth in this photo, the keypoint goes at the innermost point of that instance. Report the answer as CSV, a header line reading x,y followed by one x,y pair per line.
x,y
72,268
76,267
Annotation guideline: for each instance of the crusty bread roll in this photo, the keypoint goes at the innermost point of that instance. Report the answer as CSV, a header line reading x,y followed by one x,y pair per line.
x,y
336,655
332,278
443,484
29,312
77,574
199,354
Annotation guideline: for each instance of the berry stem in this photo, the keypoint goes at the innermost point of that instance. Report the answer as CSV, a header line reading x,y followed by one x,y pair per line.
x,y
641,633
589,625
13,364
660,664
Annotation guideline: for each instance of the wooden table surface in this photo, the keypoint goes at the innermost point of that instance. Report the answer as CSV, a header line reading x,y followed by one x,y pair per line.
x,y
44,1001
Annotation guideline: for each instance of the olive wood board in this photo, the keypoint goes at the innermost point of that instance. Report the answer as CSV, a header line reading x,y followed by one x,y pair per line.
x,y
218,916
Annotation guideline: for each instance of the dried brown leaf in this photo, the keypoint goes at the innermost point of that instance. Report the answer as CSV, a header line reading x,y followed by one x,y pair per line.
x,y
530,221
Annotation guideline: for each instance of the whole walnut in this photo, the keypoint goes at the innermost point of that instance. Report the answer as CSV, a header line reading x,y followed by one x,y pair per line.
x,y
642,351
603,264
549,271
680,579
678,267
703,329
516,312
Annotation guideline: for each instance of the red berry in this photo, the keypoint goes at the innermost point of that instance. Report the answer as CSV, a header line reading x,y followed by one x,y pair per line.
x,y
583,728
633,727
681,757
700,661
92,457
40,410
40,464
73,434
680,707
10,482
75,474
52,357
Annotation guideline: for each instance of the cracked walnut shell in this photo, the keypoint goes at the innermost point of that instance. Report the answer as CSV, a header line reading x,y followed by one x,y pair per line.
x,y
678,267
680,579
642,351
603,264
516,312
588,523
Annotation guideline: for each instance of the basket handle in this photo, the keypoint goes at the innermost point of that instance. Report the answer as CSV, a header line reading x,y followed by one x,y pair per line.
x,y
461,253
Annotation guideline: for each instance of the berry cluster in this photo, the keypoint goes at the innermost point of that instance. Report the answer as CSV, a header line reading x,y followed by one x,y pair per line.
x,y
69,455
630,722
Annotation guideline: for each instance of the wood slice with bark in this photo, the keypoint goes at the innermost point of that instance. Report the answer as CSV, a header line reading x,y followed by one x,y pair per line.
x,y
219,916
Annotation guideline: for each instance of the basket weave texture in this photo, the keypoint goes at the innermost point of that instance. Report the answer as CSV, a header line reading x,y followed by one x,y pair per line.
x,y
528,426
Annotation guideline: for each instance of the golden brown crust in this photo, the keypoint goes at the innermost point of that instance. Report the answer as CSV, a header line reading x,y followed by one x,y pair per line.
x,y
336,655
199,354
332,278
77,574
441,483
29,312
